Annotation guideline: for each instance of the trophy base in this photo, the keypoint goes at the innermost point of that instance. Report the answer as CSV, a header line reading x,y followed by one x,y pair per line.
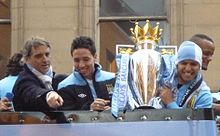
x,y
145,107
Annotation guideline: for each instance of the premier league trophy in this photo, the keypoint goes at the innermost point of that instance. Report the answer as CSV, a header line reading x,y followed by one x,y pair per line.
x,y
136,80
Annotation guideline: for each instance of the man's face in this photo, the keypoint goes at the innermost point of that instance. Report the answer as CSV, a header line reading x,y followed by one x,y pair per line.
x,y
187,70
84,61
40,58
208,49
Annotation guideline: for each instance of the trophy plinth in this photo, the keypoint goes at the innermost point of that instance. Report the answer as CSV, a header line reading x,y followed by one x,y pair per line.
x,y
145,107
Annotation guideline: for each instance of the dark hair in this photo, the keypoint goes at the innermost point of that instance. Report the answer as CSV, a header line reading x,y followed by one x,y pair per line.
x,y
83,42
195,38
15,65
32,43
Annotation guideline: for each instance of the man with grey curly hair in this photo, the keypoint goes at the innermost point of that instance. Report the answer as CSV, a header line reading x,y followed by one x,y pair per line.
x,y
33,89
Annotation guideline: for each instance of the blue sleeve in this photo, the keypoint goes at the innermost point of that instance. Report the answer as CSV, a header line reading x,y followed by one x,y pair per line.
x,y
173,105
204,100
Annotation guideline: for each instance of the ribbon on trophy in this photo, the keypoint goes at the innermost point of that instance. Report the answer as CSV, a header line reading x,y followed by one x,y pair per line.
x,y
167,70
119,97
165,77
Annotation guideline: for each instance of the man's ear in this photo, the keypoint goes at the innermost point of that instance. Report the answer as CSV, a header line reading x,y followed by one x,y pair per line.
x,y
95,56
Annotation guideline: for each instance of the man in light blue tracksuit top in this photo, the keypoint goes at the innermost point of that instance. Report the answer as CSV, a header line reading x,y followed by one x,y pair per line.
x,y
88,87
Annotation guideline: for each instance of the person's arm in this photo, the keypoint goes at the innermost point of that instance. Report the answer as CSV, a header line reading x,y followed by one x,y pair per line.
x,y
204,99
76,99
34,95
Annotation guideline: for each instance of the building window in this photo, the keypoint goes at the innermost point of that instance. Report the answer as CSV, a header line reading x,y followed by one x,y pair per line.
x,y
116,17
5,34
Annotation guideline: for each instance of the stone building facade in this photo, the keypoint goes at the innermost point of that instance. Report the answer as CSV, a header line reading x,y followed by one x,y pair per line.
x,y
60,21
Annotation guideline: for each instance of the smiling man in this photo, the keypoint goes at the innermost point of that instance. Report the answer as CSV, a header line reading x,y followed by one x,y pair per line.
x,y
88,87
33,89
187,89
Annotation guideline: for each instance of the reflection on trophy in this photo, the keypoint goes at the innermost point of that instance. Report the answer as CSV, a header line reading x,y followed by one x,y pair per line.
x,y
144,67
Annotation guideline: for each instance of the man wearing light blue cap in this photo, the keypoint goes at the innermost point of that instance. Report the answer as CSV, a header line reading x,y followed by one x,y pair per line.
x,y
187,88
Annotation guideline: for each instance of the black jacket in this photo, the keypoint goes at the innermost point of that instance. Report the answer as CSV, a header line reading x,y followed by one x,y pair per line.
x,y
77,94
30,93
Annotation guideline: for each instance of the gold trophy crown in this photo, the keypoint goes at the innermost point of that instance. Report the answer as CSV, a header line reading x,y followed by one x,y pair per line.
x,y
147,33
